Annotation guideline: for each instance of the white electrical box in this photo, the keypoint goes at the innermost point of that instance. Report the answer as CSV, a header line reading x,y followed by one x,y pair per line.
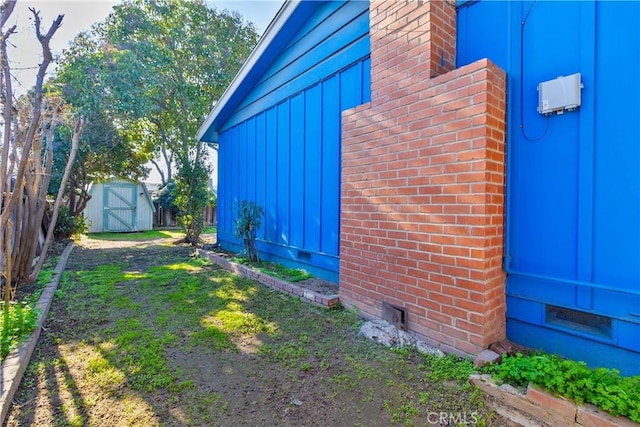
x,y
557,95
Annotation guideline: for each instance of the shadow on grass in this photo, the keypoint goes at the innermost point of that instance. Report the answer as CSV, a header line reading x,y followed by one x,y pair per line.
x,y
61,394
187,343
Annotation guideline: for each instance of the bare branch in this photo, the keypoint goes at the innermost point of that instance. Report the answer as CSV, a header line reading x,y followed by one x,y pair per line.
x,y
37,106
6,95
24,171
6,9
78,128
10,31
45,39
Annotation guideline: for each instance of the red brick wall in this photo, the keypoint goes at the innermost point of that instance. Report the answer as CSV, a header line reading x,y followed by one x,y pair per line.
x,y
422,204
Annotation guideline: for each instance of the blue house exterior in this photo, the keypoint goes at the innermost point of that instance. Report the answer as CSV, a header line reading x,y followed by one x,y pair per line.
x,y
279,131
572,252
572,222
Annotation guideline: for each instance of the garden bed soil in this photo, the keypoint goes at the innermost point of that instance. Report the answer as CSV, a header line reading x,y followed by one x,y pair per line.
x,y
320,286
314,284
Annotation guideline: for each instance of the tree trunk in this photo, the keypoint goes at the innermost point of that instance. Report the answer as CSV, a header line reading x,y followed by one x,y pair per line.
x,y
77,132
160,172
24,176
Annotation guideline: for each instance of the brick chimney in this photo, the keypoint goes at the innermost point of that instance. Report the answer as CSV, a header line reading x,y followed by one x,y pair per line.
x,y
422,196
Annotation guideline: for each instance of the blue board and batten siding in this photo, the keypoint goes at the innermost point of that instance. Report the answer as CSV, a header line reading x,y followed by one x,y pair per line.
x,y
573,180
280,147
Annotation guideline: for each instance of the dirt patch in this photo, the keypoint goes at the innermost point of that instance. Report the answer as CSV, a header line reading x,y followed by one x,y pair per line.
x,y
144,334
320,286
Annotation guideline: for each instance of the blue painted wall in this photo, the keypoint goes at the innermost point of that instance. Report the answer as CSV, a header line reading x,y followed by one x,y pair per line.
x,y
573,180
280,147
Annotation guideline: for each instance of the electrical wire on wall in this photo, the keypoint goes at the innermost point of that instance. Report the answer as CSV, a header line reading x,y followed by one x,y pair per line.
x,y
524,134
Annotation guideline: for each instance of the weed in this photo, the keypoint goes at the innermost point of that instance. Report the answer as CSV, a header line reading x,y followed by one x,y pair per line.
x,y
403,351
450,367
19,318
404,413
347,382
18,321
104,374
234,319
287,353
211,336
369,394
602,387
305,366
292,275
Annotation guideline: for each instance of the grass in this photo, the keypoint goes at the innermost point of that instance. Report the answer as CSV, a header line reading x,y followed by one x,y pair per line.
x,y
19,319
166,333
145,235
136,236
292,275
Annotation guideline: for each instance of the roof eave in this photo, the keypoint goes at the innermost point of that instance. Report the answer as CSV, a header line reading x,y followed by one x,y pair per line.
x,y
254,57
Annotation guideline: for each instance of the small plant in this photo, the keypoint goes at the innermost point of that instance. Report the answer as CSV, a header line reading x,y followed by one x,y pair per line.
x,y
248,222
305,366
18,321
450,367
292,275
602,387
69,226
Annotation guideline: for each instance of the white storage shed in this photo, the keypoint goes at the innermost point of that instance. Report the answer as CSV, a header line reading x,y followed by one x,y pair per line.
x,y
119,206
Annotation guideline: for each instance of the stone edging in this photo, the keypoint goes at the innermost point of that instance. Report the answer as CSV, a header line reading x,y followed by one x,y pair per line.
x,y
16,362
304,294
539,408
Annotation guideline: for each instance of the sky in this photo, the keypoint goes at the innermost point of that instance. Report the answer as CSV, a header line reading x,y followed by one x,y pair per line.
x,y
79,15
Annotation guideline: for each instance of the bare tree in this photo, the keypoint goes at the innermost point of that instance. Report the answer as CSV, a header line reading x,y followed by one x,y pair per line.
x,y
25,163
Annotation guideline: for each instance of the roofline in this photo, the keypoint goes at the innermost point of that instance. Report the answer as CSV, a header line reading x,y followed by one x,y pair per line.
x,y
270,33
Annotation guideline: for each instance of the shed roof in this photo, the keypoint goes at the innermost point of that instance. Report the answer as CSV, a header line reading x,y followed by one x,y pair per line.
x,y
287,21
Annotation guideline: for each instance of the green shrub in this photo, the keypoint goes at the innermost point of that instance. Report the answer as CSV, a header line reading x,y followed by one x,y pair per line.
x,y
247,224
67,225
604,388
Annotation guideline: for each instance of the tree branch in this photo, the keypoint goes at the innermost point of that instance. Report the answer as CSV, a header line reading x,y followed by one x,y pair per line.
x,y
6,9
75,140
37,107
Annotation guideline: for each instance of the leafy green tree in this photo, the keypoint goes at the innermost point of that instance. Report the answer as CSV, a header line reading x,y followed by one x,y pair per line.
x,y
156,66
192,195
103,152
152,70
165,197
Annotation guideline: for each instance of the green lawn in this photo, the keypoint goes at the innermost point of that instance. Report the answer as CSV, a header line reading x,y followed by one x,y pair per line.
x,y
146,235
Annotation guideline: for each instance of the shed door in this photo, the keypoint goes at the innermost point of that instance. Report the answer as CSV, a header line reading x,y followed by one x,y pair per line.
x,y
120,201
